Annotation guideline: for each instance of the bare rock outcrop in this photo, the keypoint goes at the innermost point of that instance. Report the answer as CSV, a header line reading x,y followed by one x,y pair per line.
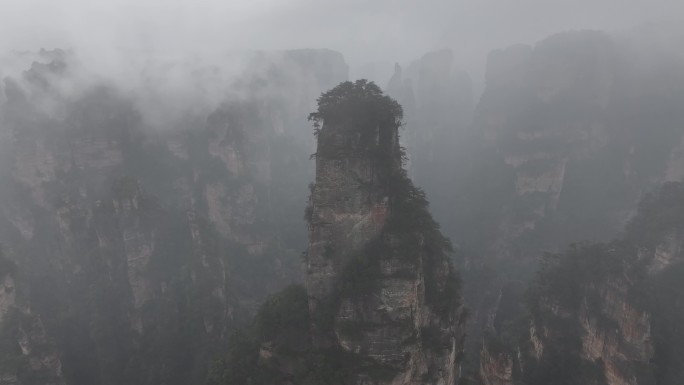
x,y
379,282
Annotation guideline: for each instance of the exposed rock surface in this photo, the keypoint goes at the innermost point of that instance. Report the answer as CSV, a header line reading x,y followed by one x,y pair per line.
x,y
373,285
139,248
562,116
27,353
603,313
496,368
573,131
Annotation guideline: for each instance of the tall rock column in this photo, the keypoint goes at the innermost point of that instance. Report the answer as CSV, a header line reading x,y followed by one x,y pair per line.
x,y
380,283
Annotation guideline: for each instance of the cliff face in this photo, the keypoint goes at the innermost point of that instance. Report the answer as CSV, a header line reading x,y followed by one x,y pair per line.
x,y
496,368
603,313
379,287
580,115
27,353
572,132
139,247
609,334
562,116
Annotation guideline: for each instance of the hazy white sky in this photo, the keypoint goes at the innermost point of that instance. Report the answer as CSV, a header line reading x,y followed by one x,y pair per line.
x,y
363,30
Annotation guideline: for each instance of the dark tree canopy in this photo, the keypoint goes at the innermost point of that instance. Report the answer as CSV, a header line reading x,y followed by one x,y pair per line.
x,y
361,102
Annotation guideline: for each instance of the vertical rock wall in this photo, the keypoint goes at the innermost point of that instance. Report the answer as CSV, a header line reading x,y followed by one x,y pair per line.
x,y
368,283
